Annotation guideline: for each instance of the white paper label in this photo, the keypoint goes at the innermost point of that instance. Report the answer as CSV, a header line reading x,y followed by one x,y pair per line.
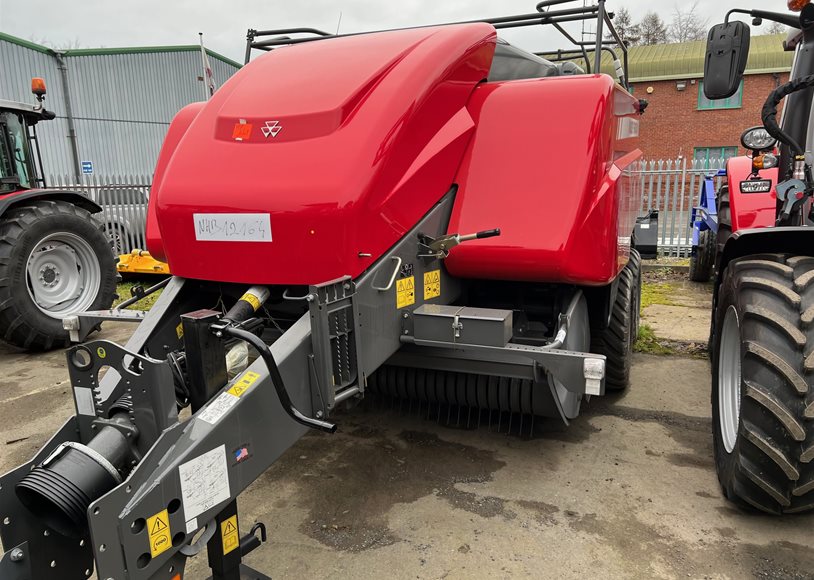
x,y
218,408
232,227
204,482
84,401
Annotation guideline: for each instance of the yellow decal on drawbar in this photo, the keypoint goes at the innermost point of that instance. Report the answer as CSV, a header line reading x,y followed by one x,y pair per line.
x,y
179,330
405,292
228,534
243,383
432,284
158,530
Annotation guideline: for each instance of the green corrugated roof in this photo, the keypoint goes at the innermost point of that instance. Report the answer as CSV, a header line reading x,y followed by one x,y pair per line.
x,y
118,50
685,60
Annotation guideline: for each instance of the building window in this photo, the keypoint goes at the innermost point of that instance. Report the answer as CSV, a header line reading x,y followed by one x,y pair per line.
x,y
713,156
733,102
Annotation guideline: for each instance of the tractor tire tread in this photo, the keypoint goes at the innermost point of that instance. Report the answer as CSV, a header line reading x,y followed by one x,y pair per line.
x,y
771,467
724,219
702,260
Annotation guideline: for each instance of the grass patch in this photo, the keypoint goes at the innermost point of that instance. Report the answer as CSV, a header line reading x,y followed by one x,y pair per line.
x,y
648,343
656,293
124,292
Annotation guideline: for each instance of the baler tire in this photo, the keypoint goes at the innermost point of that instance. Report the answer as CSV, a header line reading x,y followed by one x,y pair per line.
x,y
616,341
724,220
702,261
763,434
636,259
22,322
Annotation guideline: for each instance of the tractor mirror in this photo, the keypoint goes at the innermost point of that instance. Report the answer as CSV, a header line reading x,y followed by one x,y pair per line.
x,y
727,51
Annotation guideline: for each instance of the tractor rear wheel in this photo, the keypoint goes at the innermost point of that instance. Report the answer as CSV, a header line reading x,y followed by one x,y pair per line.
x,y
762,400
702,259
616,341
54,261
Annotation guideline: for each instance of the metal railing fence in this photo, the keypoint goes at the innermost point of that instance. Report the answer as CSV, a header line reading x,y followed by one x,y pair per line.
x,y
673,187
123,199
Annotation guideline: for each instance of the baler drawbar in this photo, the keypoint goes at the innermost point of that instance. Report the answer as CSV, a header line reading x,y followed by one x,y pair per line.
x,y
401,212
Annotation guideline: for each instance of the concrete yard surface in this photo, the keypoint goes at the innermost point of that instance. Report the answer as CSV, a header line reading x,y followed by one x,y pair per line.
x,y
680,309
628,490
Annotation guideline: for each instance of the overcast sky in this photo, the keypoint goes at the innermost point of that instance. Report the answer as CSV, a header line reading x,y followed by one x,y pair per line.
x,y
113,23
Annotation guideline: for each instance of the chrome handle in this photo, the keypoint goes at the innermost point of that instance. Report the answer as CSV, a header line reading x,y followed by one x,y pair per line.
x,y
287,296
396,270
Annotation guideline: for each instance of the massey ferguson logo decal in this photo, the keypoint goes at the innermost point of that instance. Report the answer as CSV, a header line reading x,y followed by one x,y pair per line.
x,y
271,128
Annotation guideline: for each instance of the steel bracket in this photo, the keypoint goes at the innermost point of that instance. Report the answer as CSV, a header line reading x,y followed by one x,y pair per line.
x,y
139,390
336,344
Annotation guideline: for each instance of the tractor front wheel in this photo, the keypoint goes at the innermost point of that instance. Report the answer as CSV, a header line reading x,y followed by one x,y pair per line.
x,y
54,261
702,259
762,400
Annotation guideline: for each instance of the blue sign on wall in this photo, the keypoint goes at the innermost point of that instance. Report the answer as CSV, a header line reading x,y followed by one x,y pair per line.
x,y
87,167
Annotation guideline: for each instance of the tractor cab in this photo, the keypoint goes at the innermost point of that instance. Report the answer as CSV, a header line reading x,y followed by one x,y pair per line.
x,y
20,160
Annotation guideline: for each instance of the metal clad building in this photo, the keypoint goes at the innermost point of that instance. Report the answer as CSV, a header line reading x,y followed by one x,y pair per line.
x,y
122,99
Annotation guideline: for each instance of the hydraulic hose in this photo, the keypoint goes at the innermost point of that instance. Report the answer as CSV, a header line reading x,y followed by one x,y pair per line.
x,y
277,379
769,111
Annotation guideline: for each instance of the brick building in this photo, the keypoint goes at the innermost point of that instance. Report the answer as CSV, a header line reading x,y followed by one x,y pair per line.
x,y
680,121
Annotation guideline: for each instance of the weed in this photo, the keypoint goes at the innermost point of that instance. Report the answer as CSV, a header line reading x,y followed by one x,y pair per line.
x,y
648,343
656,293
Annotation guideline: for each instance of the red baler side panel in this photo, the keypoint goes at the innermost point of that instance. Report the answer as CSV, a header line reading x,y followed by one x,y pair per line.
x,y
373,128
183,119
548,165
750,210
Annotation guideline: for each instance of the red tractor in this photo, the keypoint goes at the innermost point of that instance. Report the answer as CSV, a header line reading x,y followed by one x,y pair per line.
x,y
55,260
763,306
428,214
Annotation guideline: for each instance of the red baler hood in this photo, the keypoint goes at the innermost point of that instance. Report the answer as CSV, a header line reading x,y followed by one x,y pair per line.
x,y
369,132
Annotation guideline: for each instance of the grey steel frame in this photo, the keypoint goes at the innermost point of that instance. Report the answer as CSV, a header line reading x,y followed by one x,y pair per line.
x,y
317,376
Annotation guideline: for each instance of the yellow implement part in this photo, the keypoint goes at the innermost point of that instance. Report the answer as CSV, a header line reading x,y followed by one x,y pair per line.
x,y
141,262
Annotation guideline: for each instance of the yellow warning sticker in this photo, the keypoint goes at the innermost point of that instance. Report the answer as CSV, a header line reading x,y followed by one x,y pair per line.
x,y
432,284
243,383
405,292
158,529
229,535
179,330
251,299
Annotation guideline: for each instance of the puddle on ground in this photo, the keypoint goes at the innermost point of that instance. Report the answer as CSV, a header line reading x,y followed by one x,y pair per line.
x,y
543,512
349,494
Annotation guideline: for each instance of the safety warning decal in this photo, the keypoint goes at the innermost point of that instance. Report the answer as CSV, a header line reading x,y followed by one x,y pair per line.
x,y
158,530
229,535
432,284
251,299
405,292
243,383
179,330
